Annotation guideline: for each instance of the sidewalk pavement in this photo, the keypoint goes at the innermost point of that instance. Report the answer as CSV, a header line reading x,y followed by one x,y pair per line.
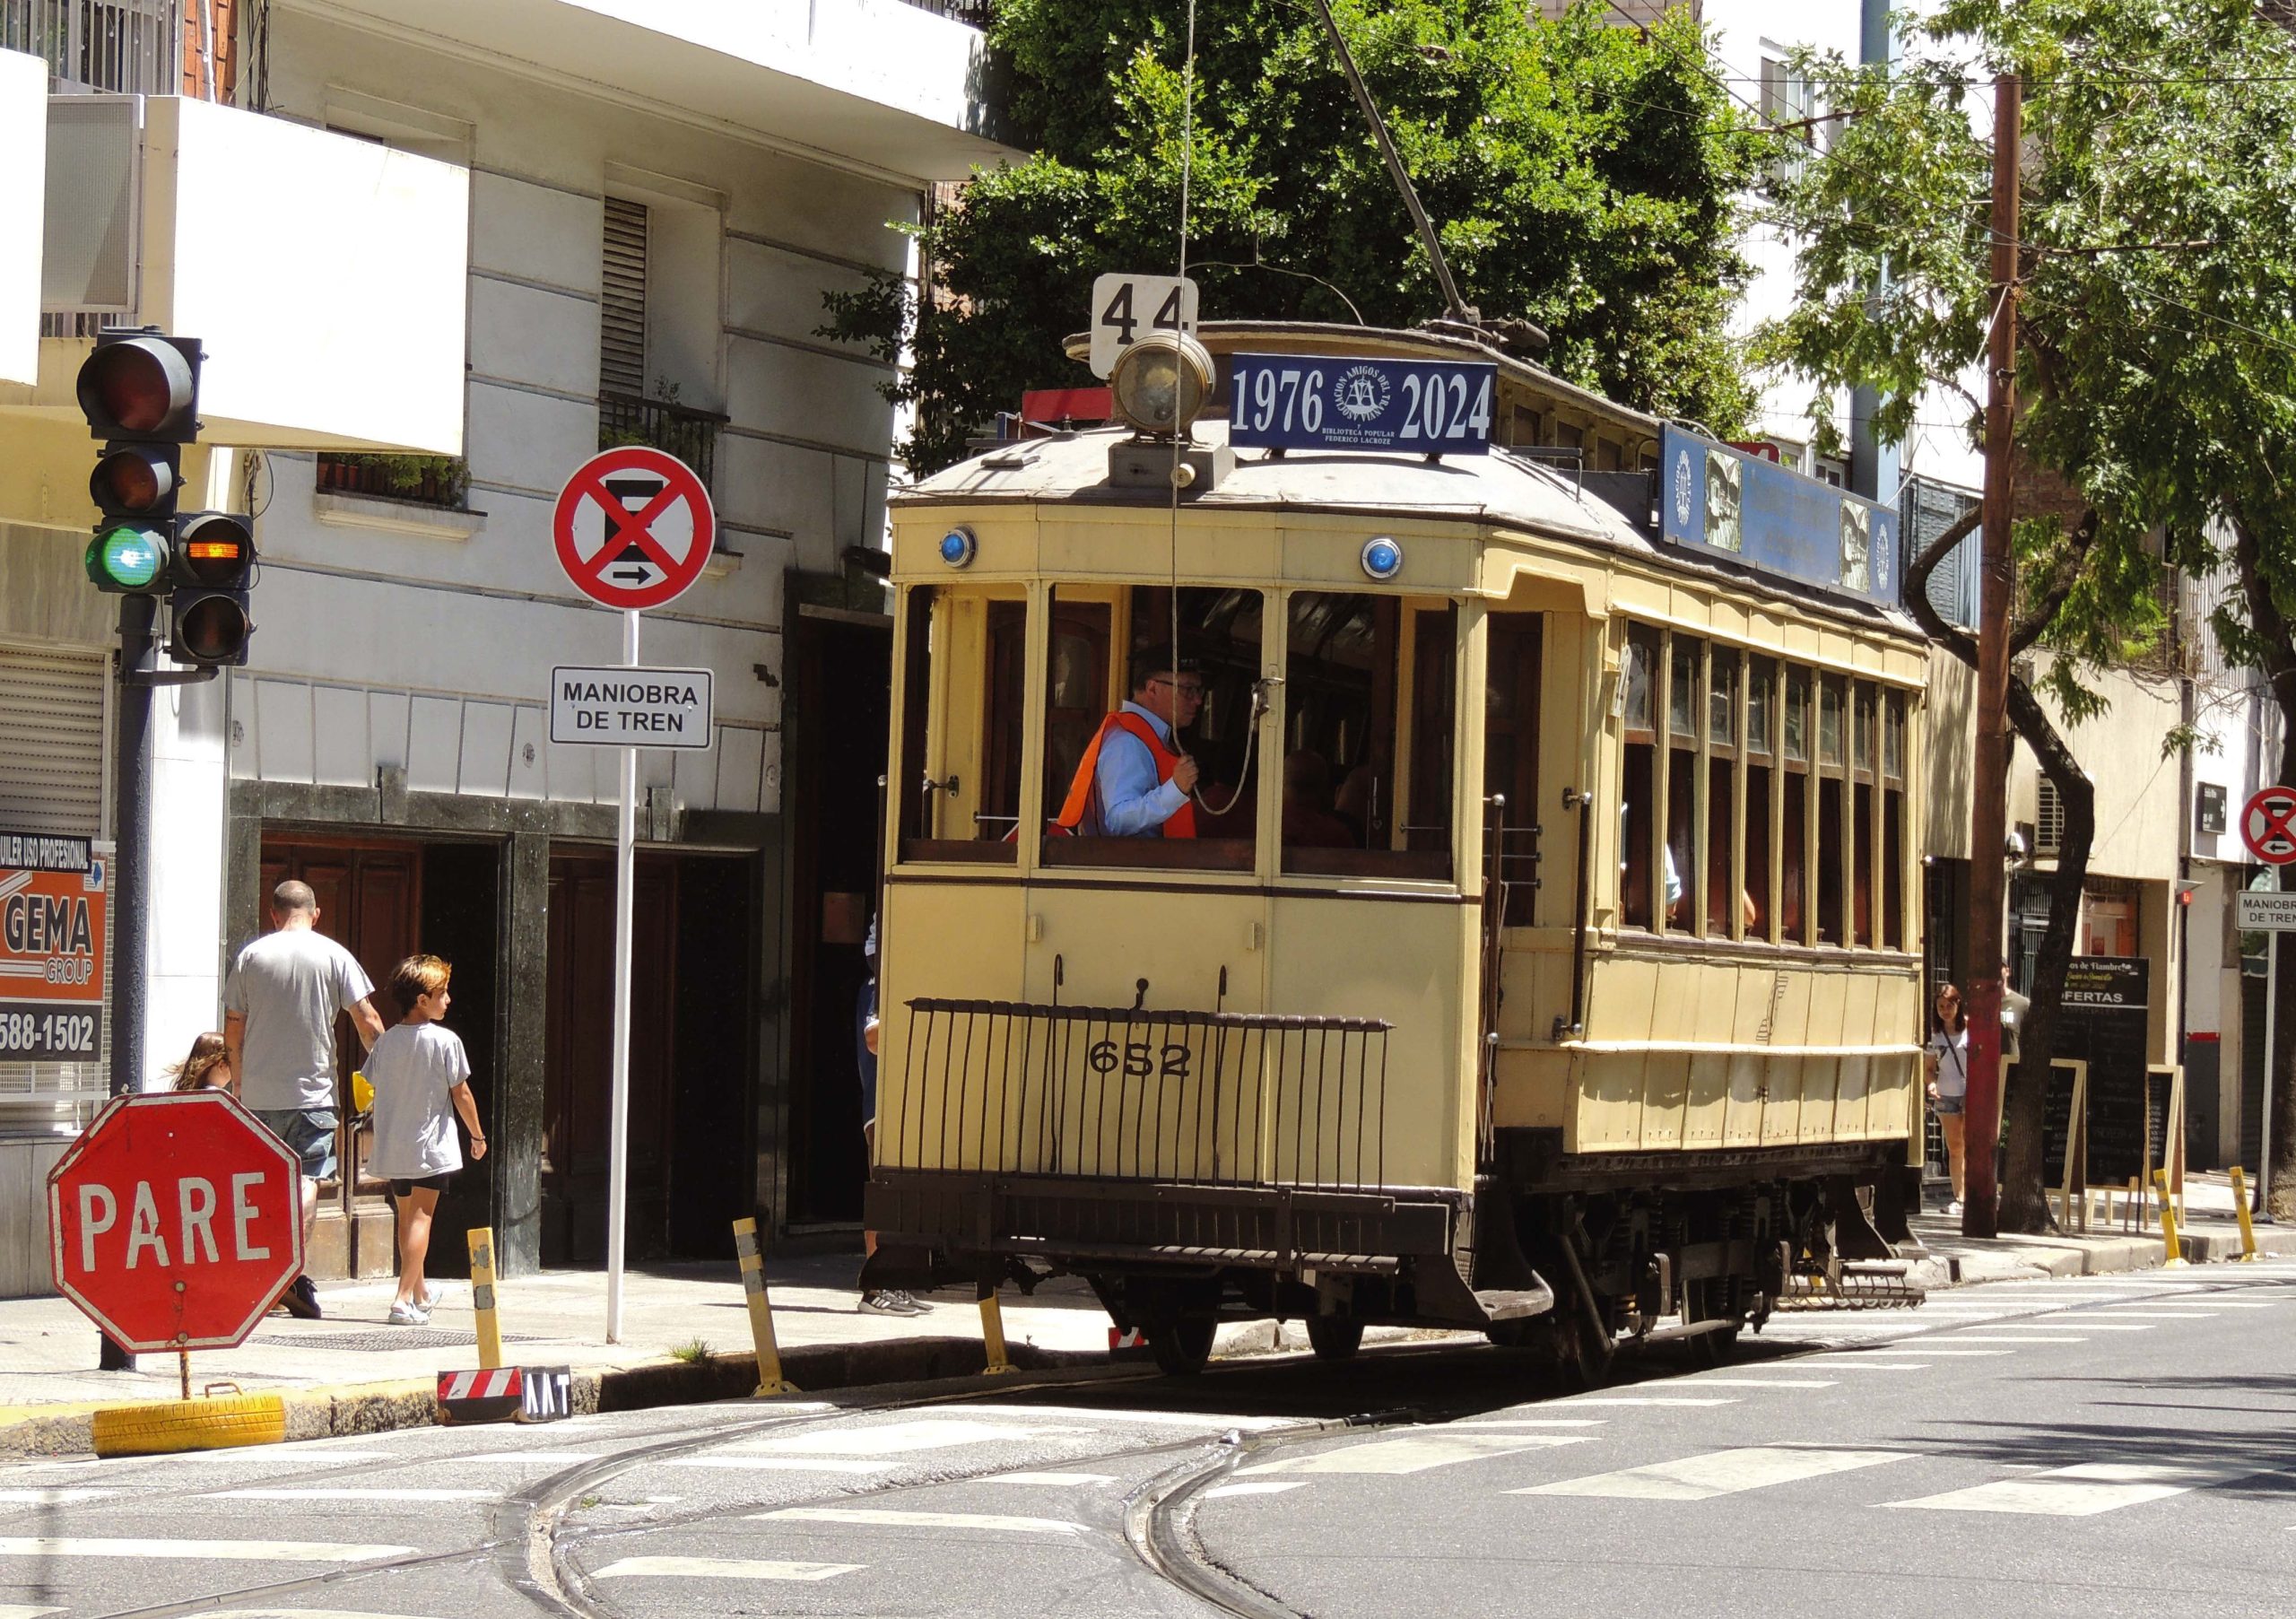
x,y
685,1332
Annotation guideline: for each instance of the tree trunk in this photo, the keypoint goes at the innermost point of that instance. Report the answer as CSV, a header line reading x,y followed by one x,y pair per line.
x,y
2275,645
2024,1199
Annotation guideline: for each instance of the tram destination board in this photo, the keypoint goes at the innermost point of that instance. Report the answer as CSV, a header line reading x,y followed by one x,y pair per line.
x,y
2103,1022
1426,407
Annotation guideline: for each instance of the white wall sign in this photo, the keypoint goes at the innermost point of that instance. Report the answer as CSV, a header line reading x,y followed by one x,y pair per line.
x,y
625,708
2261,911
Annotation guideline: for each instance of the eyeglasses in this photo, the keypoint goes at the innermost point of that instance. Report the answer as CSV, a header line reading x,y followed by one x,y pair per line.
x,y
1190,688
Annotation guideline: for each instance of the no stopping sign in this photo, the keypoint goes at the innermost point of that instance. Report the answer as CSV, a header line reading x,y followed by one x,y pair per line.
x,y
633,527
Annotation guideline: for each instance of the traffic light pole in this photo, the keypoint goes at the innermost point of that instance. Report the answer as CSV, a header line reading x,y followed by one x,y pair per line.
x,y
131,817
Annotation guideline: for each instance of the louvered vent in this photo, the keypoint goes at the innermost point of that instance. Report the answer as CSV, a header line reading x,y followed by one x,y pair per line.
x,y
622,304
51,742
2048,819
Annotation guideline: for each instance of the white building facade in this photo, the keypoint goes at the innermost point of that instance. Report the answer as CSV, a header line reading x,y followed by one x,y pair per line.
x,y
577,223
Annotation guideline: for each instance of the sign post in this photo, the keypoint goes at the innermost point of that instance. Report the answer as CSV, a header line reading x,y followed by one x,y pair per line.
x,y
632,529
2269,827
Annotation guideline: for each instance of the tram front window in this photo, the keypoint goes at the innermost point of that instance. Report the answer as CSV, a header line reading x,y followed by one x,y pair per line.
x,y
1342,718
1148,748
962,687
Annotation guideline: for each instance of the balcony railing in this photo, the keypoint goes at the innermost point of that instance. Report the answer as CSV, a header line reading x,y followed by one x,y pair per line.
x,y
973,12
441,481
689,434
133,47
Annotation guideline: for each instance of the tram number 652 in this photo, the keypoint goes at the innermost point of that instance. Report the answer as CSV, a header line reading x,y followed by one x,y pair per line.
x,y
1139,1058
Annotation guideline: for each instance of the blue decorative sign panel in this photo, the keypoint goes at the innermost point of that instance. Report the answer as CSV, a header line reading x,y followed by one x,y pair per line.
x,y
1775,519
1427,407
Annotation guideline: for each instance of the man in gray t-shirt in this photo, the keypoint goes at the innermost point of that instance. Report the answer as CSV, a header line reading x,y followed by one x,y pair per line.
x,y
279,1010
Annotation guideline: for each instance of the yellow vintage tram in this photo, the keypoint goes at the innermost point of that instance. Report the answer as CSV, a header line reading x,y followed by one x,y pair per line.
x,y
1545,958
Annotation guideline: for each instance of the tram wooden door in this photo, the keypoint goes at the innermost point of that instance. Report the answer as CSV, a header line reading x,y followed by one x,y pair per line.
x,y
1511,749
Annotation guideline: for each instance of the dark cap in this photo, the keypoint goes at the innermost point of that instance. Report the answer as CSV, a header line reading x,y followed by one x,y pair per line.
x,y
1149,662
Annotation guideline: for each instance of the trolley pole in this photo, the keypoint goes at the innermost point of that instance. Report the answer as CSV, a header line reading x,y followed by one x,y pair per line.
x,y
1989,796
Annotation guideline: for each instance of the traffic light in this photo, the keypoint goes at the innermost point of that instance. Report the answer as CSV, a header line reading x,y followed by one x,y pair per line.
x,y
210,571
139,391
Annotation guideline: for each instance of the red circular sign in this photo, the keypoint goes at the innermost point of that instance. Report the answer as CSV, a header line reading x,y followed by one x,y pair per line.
x,y
176,1220
633,527
2268,825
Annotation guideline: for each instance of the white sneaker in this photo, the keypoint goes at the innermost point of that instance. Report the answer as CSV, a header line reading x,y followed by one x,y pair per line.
x,y
1954,1207
405,1313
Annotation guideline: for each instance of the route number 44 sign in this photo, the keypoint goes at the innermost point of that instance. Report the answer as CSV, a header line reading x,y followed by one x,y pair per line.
x,y
1128,307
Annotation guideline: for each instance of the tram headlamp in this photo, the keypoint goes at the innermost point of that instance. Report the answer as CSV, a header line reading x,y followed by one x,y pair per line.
x,y
1161,383
959,547
1382,557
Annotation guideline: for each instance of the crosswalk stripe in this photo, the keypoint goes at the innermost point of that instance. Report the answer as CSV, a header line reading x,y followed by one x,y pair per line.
x,y
1532,1422
227,1551
272,1612
723,1567
1718,1473
1060,1480
2154,1312
563,1458
1861,1364
17,1610
2038,1340
316,1493
1707,1382
780,1464
890,1518
1582,1400
893,1439
2080,1491
1934,1349
1257,1486
63,1495
1415,1452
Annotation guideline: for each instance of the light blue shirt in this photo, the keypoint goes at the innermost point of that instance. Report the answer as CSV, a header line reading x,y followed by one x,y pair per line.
x,y
1128,801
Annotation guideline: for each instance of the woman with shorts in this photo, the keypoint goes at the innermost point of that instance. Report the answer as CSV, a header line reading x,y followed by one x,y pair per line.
x,y
418,1069
1947,1061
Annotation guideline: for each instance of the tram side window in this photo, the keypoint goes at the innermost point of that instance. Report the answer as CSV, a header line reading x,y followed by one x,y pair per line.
x,y
1116,794
1864,727
1893,768
1794,725
1512,687
1721,799
1639,791
1340,693
1685,708
1832,770
1762,752
959,780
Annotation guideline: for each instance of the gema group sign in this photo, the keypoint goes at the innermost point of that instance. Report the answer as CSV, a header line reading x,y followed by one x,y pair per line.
x,y
52,930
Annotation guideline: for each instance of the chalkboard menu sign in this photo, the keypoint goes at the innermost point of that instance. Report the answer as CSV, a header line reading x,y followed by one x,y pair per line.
x,y
2102,1022
2056,1121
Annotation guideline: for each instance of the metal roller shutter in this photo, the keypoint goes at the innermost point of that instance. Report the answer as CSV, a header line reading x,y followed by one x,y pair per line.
x,y
52,741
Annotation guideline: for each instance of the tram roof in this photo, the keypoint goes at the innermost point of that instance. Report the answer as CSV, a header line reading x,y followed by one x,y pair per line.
x,y
1501,489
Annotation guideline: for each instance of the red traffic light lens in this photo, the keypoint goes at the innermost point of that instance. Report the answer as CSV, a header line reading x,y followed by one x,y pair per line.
x,y
213,629
131,480
140,385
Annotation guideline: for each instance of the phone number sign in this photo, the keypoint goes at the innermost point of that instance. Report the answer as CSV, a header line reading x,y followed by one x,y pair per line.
x,y
52,940
1428,407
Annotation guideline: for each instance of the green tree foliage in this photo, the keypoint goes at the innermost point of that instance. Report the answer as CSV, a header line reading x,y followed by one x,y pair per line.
x,y
2156,311
1583,177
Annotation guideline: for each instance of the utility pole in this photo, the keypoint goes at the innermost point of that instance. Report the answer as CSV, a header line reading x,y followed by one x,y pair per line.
x,y
1989,788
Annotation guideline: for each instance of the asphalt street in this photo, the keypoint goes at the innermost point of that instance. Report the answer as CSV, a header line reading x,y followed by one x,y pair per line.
x,y
2094,1446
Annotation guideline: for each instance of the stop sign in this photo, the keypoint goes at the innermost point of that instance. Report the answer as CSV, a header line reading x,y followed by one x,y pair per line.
x,y
176,1220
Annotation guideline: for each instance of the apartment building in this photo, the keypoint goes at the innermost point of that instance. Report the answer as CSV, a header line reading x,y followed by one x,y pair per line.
x,y
473,245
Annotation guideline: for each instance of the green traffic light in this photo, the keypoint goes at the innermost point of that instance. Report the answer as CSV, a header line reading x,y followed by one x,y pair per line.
x,y
127,558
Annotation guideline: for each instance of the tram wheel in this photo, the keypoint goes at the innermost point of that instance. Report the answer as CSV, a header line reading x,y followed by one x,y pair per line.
x,y
1585,1355
1182,1348
1335,1337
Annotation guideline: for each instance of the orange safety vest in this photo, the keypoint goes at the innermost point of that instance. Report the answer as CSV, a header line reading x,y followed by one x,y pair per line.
x,y
1182,824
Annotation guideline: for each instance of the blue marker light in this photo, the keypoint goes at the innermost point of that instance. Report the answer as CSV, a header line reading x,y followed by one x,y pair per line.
x,y
1382,557
958,547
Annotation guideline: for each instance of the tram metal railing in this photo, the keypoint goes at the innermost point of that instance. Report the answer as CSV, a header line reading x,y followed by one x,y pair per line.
x,y
1202,1098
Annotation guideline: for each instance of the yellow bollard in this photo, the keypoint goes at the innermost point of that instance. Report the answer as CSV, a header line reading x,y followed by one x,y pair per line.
x,y
991,1334
2248,1231
769,1381
2170,1244
481,1298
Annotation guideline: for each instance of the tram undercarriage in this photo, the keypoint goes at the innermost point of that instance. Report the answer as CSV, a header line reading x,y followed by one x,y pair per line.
x,y
1573,1257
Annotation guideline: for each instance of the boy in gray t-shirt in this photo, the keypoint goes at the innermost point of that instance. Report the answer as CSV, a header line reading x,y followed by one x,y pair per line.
x,y
278,1009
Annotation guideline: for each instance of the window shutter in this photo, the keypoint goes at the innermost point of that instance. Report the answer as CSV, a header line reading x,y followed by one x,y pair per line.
x,y
622,303
52,741
2048,819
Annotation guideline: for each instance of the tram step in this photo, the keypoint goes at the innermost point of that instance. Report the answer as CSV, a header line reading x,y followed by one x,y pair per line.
x,y
1507,1305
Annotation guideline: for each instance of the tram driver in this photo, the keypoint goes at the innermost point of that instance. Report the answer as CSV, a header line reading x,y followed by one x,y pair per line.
x,y
1133,780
